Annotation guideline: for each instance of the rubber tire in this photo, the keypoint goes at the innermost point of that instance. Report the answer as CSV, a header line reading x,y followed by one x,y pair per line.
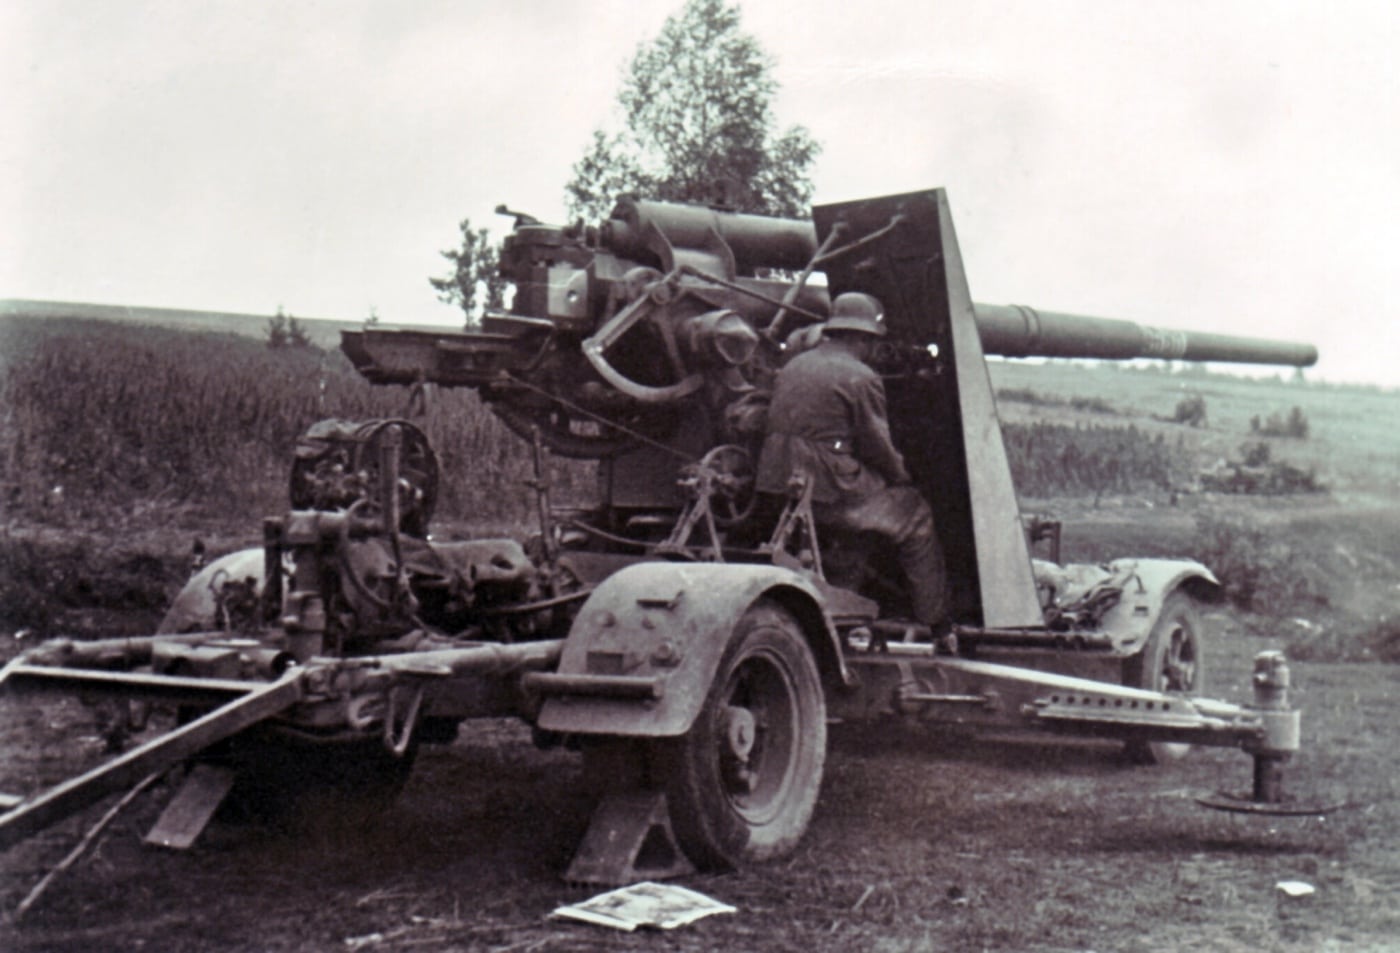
x,y
718,826
1177,632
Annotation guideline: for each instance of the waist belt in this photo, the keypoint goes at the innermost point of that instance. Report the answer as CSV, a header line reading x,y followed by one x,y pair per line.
x,y
837,444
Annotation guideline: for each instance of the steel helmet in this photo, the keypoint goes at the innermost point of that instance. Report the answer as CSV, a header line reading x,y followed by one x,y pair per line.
x,y
854,311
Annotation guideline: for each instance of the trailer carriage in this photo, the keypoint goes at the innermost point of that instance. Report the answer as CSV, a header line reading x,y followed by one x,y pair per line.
x,y
690,637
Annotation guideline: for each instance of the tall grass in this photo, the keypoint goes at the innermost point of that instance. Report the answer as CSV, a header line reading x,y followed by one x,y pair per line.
x,y
1060,460
102,418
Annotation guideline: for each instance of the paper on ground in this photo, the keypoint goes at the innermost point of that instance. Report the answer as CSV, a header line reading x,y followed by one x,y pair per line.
x,y
645,904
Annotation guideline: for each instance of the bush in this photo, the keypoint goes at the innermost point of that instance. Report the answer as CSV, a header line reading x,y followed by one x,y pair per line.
x,y
1294,425
40,581
1256,454
1190,411
1092,405
1024,395
1255,571
286,331
1257,473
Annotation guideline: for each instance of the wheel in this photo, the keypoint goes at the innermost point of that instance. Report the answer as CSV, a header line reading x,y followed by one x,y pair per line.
x,y
742,783
732,494
1172,661
337,464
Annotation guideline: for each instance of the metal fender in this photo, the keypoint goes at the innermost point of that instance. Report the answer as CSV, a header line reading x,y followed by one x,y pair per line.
x,y
196,607
1151,582
646,645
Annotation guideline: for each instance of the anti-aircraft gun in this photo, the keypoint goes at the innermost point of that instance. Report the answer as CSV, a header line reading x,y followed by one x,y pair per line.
x,y
685,634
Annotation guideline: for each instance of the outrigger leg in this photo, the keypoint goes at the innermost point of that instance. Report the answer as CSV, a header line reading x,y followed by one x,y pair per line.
x,y
1276,743
250,703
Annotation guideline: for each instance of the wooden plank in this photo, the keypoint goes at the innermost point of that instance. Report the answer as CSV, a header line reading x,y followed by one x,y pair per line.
x,y
192,807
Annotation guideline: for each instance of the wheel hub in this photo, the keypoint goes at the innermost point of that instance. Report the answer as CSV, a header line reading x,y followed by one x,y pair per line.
x,y
741,731
740,737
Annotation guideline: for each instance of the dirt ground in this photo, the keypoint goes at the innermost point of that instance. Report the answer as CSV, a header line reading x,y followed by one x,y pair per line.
x,y
922,840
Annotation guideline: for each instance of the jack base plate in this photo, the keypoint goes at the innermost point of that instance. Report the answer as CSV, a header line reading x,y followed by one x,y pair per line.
x,y
1245,804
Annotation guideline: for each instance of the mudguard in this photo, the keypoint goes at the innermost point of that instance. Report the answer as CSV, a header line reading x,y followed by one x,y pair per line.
x,y
196,608
1151,582
645,647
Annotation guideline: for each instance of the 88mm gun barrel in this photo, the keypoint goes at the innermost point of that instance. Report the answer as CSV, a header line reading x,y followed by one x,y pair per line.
x,y
1021,331
638,229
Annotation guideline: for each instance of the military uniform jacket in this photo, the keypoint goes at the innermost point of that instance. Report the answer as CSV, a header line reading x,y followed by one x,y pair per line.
x,y
828,419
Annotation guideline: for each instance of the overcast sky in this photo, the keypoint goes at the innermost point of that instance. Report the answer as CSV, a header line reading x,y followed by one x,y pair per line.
x,y
1230,166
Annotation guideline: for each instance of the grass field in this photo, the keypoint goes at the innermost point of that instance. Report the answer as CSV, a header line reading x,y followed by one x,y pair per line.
x,y
1352,444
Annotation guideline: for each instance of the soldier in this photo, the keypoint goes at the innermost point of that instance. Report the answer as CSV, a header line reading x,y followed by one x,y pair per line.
x,y
827,421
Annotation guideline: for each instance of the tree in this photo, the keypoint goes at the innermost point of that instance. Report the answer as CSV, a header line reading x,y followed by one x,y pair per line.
x,y
474,270
283,330
696,104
